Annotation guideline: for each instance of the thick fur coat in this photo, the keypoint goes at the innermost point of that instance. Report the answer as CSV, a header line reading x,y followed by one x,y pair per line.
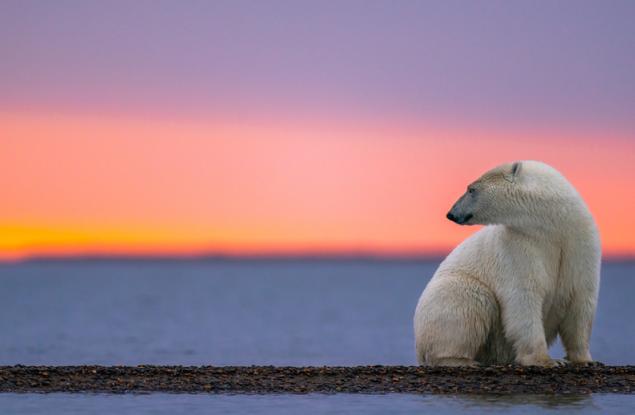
x,y
505,293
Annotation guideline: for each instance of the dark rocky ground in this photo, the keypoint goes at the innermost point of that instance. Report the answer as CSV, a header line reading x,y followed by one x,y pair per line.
x,y
361,379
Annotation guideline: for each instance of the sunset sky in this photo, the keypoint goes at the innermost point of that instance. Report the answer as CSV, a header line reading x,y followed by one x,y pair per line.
x,y
168,127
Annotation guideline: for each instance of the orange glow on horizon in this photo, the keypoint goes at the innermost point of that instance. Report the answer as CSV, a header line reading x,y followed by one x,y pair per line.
x,y
112,185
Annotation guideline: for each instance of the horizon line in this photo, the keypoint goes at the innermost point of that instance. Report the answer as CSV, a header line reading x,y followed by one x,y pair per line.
x,y
429,256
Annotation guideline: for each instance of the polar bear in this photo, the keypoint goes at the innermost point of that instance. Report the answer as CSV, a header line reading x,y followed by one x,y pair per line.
x,y
505,293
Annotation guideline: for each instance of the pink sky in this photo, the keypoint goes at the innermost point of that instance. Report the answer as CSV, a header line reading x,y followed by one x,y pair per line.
x,y
80,184
162,127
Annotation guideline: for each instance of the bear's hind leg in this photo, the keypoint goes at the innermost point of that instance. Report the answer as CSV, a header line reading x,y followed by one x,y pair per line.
x,y
453,322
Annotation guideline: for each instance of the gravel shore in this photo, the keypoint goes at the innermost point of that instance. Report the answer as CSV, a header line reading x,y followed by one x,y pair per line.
x,y
360,379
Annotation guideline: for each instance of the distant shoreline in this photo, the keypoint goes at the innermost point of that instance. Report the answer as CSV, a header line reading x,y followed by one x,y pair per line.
x,y
230,258
342,258
299,380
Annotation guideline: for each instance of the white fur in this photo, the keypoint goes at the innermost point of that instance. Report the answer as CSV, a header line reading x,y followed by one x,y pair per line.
x,y
505,293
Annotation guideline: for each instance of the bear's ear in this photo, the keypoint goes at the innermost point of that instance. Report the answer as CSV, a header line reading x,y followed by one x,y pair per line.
x,y
514,173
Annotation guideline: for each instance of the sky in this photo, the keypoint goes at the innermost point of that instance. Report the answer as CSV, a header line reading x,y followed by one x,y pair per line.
x,y
193,127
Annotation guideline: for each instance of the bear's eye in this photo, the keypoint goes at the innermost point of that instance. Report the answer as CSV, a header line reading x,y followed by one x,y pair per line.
x,y
471,190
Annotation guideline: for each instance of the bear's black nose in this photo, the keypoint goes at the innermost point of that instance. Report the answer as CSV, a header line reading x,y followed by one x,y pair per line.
x,y
451,217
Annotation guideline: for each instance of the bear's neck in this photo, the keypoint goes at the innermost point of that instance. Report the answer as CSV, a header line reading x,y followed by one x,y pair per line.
x,y
564,226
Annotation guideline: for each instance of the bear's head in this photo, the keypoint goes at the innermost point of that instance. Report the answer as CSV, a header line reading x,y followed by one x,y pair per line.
x,y
520,193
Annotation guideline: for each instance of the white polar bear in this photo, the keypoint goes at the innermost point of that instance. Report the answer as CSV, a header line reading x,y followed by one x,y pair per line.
x,y
505,293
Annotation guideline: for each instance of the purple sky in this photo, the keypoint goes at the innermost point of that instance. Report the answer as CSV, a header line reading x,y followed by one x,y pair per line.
x,y
494,62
